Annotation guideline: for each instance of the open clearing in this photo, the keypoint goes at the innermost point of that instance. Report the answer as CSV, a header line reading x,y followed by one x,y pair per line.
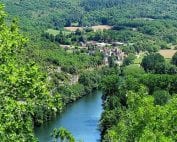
x,y
68,30
167,53
101,27
139,58
73,29
56,32
53,32
95,28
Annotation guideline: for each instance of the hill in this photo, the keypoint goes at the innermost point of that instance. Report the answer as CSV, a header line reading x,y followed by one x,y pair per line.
x,y
58,13
138,98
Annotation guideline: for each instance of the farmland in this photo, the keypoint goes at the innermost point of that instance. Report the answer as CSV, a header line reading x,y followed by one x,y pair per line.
x,y
95,28
168,53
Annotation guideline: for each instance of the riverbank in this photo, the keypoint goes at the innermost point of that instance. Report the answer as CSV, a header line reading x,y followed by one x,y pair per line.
x,y
88,82
81,118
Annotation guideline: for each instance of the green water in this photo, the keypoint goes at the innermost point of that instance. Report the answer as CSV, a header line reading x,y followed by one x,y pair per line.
x,y
81,118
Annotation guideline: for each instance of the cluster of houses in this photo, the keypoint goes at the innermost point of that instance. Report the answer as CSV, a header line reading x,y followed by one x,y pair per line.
x,y
108,49
112,52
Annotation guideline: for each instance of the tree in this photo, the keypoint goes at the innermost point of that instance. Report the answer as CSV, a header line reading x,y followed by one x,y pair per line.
x,y
174,59
161,97
129,59
110,84
133,70
63,134
111,61
172,69
52,38
151,62
90,80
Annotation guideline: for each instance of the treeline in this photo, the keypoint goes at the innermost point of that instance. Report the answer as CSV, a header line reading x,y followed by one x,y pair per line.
x,y
68,38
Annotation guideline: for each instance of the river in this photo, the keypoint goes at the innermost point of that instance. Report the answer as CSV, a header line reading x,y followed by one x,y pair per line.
x,y
81,118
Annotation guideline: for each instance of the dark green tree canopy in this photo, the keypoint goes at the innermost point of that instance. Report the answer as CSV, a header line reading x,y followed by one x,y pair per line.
x,y
152,62
174,59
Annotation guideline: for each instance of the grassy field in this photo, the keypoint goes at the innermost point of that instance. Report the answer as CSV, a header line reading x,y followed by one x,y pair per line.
x,y
68,30
56,32
101,27
53,32
95,28
168,53
73,29
133,69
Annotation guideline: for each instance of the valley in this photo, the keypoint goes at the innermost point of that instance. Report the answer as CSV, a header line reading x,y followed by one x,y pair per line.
x,y
55,54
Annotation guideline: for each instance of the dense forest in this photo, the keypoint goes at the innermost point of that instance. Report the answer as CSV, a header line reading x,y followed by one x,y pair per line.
x,y
86,12
38,77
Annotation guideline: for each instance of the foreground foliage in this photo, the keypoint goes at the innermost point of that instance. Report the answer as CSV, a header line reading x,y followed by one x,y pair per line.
x,y
62,134
25,99
139,107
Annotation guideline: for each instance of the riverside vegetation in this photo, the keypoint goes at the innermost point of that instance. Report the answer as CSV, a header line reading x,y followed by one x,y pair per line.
x,y
35,76
140,105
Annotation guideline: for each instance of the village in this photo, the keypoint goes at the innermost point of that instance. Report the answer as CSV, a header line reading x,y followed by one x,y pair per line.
x,y
107,49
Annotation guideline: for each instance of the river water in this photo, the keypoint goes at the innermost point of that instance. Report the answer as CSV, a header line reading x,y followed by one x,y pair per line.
x,y
81,118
